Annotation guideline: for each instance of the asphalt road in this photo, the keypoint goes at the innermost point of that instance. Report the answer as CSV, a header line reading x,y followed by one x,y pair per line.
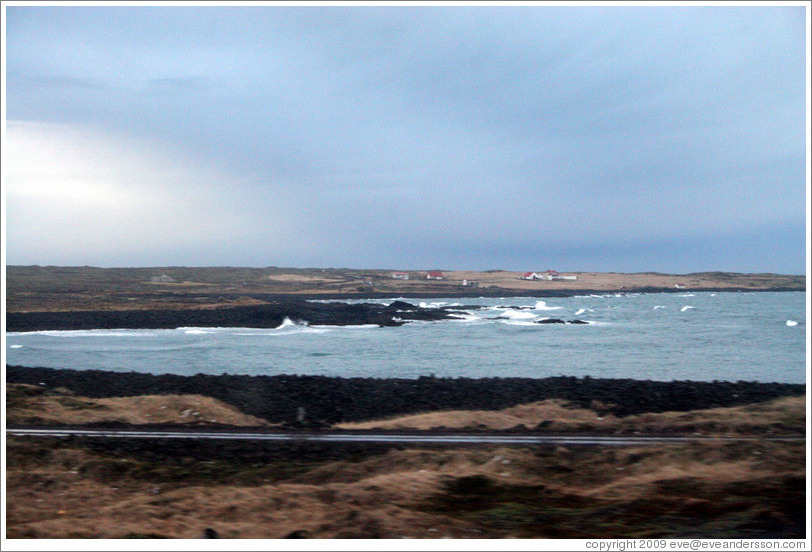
x,y
411,437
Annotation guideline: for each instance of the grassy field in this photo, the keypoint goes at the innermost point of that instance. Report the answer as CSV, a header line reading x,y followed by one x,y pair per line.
x,y
35,288
84,489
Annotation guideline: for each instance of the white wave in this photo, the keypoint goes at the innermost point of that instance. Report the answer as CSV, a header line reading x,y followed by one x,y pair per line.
x,y
517,314
686,295
580,311
193,330
658,307
465,316
686,307
88,333
279,331
792,322
326,327
518,323
542,305
16,346
287,327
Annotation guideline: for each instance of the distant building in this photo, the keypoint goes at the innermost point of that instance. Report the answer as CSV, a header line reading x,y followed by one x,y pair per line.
x,y
470,283
400,275
679,286
163,279
435,275
555,275
546,275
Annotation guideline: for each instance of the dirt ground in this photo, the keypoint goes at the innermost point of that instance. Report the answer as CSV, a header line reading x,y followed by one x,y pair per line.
x,y
70,488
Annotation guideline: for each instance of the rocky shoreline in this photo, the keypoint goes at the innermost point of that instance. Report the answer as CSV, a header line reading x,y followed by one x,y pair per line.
x,y
318,309
329,400
271,315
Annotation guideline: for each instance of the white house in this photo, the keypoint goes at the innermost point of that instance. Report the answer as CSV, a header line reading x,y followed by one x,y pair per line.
x,y
555,275
400,275
546,275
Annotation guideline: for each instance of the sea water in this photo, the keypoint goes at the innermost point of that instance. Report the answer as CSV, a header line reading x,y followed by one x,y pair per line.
x,y
706,336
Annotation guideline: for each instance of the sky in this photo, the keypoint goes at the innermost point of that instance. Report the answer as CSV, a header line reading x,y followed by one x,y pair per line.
x,y
611,138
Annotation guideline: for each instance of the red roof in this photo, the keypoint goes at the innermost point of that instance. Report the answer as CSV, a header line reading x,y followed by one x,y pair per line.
x,y
435,274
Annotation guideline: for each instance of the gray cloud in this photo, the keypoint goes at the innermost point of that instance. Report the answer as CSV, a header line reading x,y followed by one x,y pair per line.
x,y
423,136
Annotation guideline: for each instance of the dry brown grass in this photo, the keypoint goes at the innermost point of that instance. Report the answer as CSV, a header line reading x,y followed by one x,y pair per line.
x,y
395,495
784,415
611,280
63,289
64,489
29,404
301,278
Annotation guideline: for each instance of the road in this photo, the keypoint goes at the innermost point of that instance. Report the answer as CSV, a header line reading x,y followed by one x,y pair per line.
x,y
411,437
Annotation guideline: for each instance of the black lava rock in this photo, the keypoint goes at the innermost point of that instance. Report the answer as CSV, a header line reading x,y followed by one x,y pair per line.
x,y
329,400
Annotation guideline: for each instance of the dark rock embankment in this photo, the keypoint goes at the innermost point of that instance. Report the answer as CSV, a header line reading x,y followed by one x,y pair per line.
x,y
328,400
256,316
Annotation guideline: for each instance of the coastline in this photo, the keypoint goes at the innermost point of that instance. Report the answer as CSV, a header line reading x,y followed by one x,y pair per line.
x,y
544,293
271,310
43,289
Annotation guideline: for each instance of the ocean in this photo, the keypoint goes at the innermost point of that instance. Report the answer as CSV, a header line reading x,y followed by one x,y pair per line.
x,y
702,336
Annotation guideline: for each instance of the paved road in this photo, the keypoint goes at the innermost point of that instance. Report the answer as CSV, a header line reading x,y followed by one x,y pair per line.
x,y
411,437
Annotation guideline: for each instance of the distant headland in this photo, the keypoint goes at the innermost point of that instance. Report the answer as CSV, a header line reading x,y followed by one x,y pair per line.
x,y
54,288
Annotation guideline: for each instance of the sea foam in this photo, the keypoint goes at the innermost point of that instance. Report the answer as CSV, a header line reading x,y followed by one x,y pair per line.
x,y
517,314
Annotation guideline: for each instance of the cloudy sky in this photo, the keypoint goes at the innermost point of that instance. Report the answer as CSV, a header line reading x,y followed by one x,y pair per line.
x,y
611,138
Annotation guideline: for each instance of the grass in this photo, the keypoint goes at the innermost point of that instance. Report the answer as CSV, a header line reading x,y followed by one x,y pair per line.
x,y
32,404
85,488
784,416
46,288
